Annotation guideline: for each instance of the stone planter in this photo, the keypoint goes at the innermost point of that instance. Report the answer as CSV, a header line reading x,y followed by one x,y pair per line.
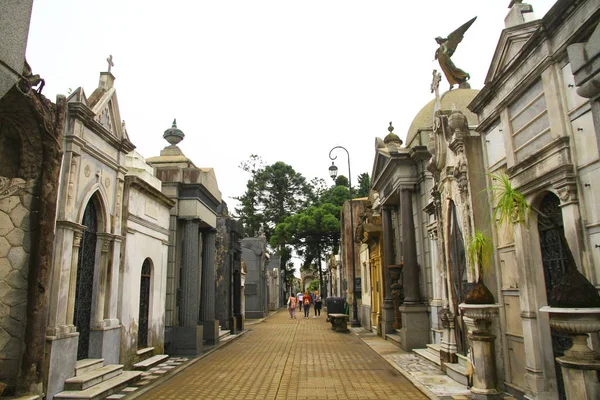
x,y
478,318
580,364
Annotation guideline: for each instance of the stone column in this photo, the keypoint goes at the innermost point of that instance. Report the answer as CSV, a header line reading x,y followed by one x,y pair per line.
x,y
478,319
388,259
101,294
409,247
415,322
77,235
190,299
188,336
207,305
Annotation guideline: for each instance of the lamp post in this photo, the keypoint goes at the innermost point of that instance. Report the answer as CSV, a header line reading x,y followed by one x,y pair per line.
x,y
333,174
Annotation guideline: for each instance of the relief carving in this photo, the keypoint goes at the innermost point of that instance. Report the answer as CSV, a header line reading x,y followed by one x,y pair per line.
x,y
11,187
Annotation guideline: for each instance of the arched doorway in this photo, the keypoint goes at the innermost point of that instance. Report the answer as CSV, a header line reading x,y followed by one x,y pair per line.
x,y
85,279
458,276
144,314
557,260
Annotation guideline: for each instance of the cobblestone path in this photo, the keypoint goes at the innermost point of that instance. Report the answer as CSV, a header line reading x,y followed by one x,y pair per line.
x,y
282,358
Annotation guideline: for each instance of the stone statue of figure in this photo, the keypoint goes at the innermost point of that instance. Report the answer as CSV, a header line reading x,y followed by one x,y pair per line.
x,y
443,54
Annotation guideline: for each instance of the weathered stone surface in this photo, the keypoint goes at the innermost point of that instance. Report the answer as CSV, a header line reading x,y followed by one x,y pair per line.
x,y
16,281
27,242
4,310
13,296
17,257
12,348
27,199
4,247
4,289
26,224
15,237
18,215
6,224
7,204
12,326
19,312
5,268
4,338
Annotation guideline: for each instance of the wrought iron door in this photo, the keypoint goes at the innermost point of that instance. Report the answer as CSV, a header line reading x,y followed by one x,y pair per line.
x,y
458,277
556,260
85,280
144,304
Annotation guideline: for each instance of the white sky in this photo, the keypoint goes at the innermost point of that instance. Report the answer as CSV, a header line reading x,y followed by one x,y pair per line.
x,y
287,80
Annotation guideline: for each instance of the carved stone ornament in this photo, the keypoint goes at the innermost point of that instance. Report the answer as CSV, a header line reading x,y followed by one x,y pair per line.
x,y
11,187
107,183
459,128
437,142
460,174
87,171
567,193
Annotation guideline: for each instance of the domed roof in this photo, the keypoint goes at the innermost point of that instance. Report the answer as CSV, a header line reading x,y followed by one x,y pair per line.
x,y
424,118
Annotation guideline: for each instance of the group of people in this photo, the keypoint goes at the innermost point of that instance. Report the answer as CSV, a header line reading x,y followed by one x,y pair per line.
x,y
305,300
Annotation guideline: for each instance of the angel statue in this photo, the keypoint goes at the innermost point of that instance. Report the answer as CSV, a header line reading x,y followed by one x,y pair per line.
x,y
455,76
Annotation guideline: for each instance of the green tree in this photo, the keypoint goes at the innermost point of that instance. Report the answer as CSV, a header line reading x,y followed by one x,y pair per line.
x,y
364,185
342,181
248,210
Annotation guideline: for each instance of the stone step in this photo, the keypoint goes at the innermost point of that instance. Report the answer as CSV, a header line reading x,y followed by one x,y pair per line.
x,y
145,353
434,348
428,355
393,338
88,364
457,372
463,360
92,378
103,389
23,397
150,362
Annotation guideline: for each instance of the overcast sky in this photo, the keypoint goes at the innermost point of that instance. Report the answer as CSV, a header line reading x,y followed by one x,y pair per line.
x,y
286,80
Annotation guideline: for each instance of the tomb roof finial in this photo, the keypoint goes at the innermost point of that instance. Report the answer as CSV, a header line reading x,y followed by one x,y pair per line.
x,y
174,135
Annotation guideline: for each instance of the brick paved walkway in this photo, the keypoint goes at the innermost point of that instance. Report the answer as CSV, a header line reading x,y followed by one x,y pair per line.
x,y
282,358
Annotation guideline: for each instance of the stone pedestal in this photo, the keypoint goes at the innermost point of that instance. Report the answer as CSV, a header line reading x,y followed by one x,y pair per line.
x,y
105,343
580,365
387,317
478,318
61,354
415,327
211,331
187,340
448,348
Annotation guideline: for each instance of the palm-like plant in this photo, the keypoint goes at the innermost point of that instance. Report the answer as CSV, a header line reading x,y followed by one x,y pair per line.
x,y
511,205
479,251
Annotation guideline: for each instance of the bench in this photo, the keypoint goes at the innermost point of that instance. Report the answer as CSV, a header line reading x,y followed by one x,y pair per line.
x,y
339,322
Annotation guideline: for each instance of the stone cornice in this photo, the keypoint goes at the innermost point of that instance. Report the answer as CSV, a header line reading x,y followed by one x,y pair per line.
x,y
81,111
150,190
70,225
147,224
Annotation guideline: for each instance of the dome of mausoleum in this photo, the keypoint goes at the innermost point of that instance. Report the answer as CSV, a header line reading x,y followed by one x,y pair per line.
x,y
424,118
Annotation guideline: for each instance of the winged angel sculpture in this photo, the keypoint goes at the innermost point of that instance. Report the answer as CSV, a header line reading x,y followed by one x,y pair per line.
x,y
443,54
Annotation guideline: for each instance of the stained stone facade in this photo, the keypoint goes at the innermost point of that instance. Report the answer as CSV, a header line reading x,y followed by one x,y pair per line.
x,y
349,242
143,269
256,289
540,124
229,271
190,302
31,130
83,317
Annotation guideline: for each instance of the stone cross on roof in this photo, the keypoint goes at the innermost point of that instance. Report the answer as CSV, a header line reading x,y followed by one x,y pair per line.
x,y
110,62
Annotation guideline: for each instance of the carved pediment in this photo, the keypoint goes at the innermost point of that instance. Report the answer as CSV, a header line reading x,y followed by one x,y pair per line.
x,y
378,167
509,47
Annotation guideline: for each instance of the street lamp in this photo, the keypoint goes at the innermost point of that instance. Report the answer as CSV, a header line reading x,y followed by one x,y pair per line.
x,y
333,174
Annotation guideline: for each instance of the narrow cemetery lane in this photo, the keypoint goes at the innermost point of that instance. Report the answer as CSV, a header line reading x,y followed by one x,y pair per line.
x,y
282,358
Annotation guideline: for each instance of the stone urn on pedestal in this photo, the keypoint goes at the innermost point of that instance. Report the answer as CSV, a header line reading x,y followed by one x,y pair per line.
x,y
479,310
575,310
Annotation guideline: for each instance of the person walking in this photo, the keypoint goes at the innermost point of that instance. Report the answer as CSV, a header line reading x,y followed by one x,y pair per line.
x,y
291,305
306,302
299,297
318,304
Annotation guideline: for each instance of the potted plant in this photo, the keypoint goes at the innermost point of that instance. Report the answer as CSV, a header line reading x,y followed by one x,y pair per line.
x,y
479,251
511,206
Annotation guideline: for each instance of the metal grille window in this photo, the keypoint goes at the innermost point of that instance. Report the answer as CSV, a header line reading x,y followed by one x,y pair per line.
x,y
144,303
